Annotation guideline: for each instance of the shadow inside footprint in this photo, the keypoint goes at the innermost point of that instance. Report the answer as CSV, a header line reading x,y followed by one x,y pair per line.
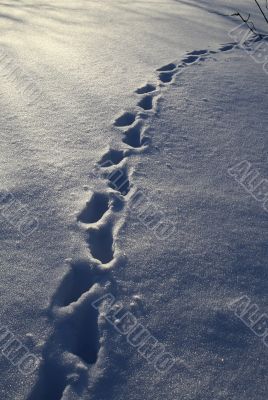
x,y
190,59
100,242
146,89
95,208
198,52
125,120
227,47
82,333
51,382
118,180
77,334
75,283
112,157
168,67
133,136
166,77
146,103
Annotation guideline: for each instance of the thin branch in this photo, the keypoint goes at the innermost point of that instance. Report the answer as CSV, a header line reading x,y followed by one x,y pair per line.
x,y
261,10
249,23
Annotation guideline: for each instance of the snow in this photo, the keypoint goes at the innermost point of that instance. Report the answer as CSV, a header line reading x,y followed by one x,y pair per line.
x,y
135,113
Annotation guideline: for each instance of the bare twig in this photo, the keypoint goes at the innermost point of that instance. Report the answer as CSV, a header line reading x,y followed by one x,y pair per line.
x,y
247,21
261,10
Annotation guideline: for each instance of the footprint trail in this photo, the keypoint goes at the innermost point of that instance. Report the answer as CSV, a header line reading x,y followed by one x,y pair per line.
x,y
75,341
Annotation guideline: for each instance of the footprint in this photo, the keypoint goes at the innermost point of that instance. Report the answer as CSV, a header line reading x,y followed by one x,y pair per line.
x,y
77,282
166,77
133,136
100,242
259,38
51,382
125,120
146,103
112,157
190,59
198,52
227,47
82,333
118,180
76,333
95,208
168,67
146,89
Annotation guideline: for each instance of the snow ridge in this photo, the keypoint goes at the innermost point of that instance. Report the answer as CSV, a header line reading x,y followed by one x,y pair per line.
x,y
73,349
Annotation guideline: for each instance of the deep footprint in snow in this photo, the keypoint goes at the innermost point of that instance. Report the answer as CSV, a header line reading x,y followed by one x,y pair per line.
x,y
190,59
100,241
168,67
118,180
133,136
146,89
198,52
125,120
95,208
146,103
112,157
75,283
78,334
83,333
227,47
166,77
51,381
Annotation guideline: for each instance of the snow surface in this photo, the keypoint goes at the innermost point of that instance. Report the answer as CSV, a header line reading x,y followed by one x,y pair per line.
x,y
126,83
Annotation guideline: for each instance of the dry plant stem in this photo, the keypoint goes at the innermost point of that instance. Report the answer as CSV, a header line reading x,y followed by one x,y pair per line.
x,y
261,10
